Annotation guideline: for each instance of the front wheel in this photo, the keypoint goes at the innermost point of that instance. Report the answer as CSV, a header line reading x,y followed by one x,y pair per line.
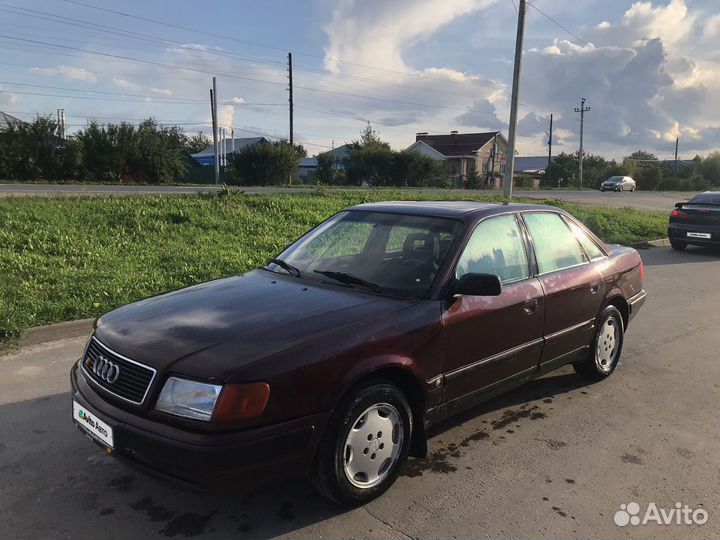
x,y
364,446
606,347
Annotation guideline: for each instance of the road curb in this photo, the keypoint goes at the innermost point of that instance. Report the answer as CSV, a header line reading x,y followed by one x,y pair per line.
x,y
663,242
55,332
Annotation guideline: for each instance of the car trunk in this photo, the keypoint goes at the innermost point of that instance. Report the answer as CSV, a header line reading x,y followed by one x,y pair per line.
x,y
697,214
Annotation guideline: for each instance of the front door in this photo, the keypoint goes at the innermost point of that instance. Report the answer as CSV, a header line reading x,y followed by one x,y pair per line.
x,y
573,285
492,339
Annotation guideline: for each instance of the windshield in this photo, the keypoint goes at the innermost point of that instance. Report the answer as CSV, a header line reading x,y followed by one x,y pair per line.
x,y
615,179
393,254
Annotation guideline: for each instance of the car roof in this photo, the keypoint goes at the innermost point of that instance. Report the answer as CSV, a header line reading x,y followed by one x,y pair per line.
x,y
448,209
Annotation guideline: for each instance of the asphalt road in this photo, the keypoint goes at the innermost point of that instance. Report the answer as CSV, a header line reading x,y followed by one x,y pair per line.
x,y
555,458
649,200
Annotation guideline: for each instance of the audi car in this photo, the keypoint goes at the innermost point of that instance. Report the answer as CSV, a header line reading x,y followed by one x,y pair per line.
x,y
618,183
337,358
696,222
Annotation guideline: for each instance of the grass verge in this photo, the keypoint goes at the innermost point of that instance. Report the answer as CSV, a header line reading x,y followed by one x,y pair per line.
x,y
64,258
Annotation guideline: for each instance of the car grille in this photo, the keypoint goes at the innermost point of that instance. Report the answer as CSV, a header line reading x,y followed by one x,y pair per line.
x,y
132,381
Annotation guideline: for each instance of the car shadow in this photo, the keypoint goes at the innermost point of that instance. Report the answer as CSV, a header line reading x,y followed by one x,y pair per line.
x,y
654,256
544,388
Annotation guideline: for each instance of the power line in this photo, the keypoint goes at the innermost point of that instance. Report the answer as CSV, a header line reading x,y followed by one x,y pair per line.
x,y
231,76
231,38
137,35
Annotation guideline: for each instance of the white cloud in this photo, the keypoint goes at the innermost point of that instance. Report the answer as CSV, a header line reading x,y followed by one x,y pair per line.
x,y
377,32
162,91
644,76
66,72
124,84
7,99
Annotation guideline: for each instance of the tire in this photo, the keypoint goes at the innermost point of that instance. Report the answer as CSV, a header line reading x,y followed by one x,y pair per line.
x,y
606,347
372,423
678,244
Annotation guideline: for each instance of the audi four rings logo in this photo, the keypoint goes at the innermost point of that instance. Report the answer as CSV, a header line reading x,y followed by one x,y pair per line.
x,y
106,370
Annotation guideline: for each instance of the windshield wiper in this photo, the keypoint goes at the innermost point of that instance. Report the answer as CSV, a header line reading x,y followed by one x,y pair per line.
x,y
287,266
349,279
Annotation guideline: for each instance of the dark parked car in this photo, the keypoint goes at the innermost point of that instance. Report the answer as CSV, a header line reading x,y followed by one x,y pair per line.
x,y
696,222
619,183
338,357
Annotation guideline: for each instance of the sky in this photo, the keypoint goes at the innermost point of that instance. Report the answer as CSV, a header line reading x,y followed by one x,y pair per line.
x,y
649,71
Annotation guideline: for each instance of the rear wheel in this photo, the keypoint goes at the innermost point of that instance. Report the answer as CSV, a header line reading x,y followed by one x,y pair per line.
x,y
605,351
364,446
678,244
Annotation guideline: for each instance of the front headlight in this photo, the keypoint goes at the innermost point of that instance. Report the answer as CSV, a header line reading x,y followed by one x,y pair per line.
x,y
190,399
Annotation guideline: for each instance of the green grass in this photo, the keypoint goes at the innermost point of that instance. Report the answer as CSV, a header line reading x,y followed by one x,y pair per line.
x,y
64,258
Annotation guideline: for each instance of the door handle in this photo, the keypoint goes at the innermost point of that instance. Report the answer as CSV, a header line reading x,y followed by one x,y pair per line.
x,y
594,287
530,307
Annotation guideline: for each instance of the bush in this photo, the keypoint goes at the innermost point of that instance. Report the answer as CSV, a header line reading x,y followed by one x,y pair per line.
x,y
265,163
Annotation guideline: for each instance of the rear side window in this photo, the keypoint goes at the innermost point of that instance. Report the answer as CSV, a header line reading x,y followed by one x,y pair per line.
x,y
591,247
495,247
555,245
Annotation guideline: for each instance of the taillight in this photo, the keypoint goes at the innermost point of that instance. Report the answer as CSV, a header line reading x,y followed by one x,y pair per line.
x,y
678,214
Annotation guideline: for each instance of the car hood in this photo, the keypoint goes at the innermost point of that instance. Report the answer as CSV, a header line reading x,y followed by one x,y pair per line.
x,y
243,318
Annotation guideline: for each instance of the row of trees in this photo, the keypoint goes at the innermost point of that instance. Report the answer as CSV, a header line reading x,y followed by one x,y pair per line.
x,y
148,152
370,162
649,172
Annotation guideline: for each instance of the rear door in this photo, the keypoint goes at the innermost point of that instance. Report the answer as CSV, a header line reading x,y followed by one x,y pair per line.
x,y
572,283
490,339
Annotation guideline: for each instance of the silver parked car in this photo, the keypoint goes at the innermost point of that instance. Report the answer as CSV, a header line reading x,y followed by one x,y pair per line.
x,y
618,183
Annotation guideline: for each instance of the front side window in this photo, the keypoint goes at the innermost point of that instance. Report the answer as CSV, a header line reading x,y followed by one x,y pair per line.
x,y
555,245
398,254
495,247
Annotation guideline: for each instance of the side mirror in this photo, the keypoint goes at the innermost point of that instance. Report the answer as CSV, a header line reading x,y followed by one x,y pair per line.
x,y
478,285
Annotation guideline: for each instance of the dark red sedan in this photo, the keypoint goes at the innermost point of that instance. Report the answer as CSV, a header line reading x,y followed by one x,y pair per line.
x,y
337,358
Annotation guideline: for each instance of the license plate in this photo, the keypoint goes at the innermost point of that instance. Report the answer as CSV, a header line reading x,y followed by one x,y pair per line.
x,y
707,236
92,425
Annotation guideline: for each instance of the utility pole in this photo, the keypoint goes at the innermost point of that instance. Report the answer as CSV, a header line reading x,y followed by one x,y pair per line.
x,y
677,141
549,146
582,110
232,141
510,165
290,96
494,154
290,102
213,106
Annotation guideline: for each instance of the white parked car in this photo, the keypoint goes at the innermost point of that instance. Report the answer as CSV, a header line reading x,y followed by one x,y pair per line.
x,y
618,183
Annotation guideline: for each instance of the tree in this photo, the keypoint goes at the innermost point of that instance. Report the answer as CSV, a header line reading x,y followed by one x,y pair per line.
x,y
325,172
410,168
711,168
642,155
266,163
562,171
196,143
370,160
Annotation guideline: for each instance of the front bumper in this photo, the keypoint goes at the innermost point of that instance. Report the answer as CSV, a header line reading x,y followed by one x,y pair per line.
x,y
208,459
